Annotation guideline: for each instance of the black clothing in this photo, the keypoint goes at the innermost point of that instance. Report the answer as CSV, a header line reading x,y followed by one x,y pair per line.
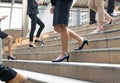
x,y
3,34
92,17
34,20
111,5
32,7
6,73
32,11
53,2
61,12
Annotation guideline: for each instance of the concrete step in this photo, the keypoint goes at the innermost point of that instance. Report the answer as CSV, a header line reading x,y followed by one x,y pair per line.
x,y
102,55
93,72
93,43
85,29
82,30
104,34
86,26
36,77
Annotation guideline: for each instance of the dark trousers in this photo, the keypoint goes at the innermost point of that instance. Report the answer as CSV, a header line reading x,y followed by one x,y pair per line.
x,y
35,20
92,15
111,5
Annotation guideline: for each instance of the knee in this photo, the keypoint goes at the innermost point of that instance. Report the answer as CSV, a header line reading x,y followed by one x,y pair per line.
x,y
91,6
42,26
56,29
10,38
59,28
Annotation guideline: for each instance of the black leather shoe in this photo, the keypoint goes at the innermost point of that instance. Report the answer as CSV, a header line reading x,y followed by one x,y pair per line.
x,y
84,42
92,22
12,58
37,41
30,45
66,56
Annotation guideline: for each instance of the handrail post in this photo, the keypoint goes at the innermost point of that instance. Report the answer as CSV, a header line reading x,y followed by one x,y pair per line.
x,y
1,51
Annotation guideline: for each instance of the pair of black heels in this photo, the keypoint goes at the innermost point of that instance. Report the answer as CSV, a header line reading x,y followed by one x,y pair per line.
x,y
66,56
11,58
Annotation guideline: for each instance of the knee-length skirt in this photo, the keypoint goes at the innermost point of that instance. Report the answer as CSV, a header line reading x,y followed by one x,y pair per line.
x,y
61,12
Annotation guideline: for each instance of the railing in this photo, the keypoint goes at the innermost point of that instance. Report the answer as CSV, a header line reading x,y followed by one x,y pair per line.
x,y
1,51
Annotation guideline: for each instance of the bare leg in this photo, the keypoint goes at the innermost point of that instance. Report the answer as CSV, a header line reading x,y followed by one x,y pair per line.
x,y
64,39
10,40
75,36
19,78
65,34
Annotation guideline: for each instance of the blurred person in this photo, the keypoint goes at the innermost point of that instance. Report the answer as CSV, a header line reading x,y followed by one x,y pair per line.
x,y
32,11
9,75
4,35
110,11
98,6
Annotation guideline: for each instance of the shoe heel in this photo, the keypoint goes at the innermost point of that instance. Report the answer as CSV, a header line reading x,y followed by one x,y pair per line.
x,y
8,57
87,42
68,59
12,58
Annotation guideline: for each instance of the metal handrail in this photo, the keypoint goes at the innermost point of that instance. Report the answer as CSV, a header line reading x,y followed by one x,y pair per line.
x,y
1,51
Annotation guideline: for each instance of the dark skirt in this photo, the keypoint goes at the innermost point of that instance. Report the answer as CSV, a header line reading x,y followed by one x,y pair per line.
x,y
61,12
3,34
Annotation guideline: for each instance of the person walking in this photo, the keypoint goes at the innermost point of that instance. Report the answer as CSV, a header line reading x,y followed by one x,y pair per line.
x,y
110,11
60,9
98,6
32,11
9,38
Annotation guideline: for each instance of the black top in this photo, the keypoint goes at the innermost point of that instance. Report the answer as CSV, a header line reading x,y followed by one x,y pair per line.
x,y
6,73
53,2
32,7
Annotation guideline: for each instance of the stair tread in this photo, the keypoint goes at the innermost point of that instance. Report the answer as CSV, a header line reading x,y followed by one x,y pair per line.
x,y
83,50
70,63
48,78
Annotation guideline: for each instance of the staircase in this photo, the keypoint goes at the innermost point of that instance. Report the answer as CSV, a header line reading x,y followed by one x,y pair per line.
x,y
96,63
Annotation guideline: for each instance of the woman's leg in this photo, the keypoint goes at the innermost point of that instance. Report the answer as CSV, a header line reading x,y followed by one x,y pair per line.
x,y
10,40
41,24
72,34
64,38
33,27
98,6
65,34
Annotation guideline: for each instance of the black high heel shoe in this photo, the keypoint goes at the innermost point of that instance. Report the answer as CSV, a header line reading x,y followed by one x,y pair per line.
x,y
39,42
30,45
66,56
12,58
84,42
